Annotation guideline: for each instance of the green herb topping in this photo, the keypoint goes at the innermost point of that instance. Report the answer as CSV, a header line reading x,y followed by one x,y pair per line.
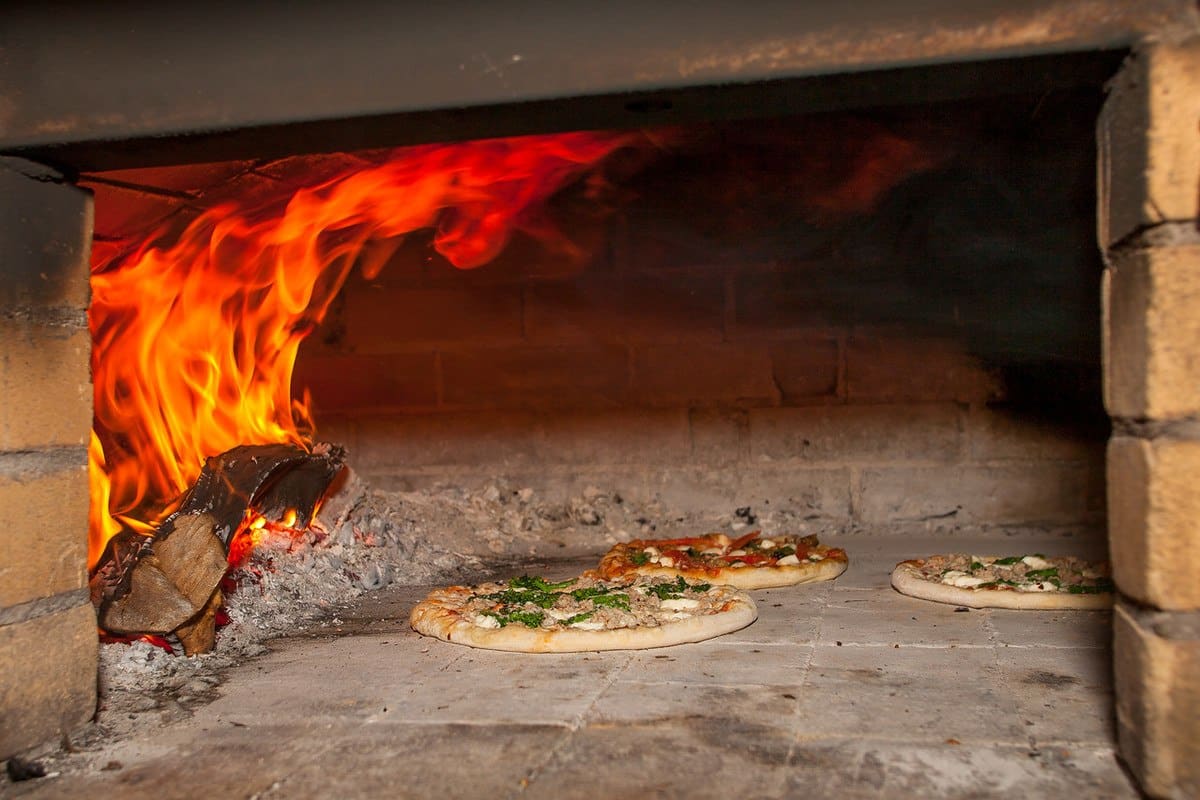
x,y
639,557
674,590
1008,560
611,601
1049,572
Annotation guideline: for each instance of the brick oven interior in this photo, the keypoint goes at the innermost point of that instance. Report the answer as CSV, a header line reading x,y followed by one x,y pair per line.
x,y
873,306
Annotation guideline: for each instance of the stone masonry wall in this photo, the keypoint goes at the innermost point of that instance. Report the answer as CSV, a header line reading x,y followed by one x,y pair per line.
x,y
709,385
1149,219
47,626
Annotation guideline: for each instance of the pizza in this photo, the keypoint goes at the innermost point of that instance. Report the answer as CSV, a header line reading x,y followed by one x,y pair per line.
x,y
532,615
1022,582
752,561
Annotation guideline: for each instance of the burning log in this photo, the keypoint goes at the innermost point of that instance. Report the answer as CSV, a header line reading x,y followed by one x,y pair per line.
x,y
168,583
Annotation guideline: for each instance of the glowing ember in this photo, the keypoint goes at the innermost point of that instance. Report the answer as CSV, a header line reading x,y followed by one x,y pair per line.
x,y
194,340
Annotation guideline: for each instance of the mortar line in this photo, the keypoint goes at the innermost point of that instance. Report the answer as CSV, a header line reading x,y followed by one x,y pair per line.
x,y
573,725
801,691
1005,687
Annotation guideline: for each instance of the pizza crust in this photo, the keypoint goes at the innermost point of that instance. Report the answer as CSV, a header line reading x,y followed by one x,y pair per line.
x,y
748,577
616,564
438,615
907,580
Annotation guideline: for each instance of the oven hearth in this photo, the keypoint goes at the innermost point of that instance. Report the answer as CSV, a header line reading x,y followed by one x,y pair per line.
x,y
912,291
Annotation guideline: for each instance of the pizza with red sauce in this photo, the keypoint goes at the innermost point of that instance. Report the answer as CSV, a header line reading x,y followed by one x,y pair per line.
x,y
752,561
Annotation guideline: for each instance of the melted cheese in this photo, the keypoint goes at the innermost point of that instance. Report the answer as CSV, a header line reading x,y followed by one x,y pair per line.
x,y
788,561
484,621
1035,563
678,603
965,582
588,625
766,544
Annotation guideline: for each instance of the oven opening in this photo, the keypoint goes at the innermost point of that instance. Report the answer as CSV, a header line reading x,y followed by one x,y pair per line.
x,y
335,366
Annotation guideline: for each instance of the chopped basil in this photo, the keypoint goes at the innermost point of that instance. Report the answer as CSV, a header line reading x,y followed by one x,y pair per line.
x,y
612,601
781,552
1049,572
700,587
578,618
639,557
693,552
976,565
541,584
530,619
1008,560
668,591
518,597
594,591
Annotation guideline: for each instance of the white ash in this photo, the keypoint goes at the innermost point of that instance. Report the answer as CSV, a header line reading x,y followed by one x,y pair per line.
x,y
366,540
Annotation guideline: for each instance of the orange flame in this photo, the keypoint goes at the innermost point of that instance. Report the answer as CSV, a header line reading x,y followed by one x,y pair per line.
x,y
194,341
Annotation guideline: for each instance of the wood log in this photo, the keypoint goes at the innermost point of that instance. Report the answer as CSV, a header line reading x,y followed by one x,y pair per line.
x,y
169,582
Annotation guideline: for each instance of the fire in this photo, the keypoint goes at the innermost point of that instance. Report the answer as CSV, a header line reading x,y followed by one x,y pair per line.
x,y
195,338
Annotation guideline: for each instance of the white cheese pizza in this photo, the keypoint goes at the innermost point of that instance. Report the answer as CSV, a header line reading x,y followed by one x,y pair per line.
x,y
1020,582
533,615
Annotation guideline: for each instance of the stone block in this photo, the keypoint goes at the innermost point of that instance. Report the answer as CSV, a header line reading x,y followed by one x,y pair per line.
x,y
777,303
47,677
45,381
1157,676
583,376
394,443
719,436
1153,514
46,523
857,434
704,374
392,320
623,437
124,213
1149,141
892,369
1017,494
682,306
995,434
191,179
806,369
1152,333
44,243
346,384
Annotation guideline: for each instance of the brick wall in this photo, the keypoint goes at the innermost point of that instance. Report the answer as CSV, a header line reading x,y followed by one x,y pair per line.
x,y
710,385
47,625
1148,221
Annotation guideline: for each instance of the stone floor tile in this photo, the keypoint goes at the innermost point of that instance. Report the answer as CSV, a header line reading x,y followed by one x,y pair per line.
x,y
443,761
888,617
1063,695
489,687
908,694
226,762
722,662
787,615
703,705
878,769
667,759
1052,628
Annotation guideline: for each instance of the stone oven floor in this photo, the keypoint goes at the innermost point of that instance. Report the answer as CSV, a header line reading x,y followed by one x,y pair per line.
x,y
842,689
